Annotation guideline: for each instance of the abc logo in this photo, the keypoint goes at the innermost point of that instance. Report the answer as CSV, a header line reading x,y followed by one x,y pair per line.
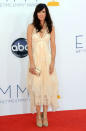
x,y
19,48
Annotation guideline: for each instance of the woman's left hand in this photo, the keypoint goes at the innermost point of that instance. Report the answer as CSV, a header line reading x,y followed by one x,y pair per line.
x,y
51,68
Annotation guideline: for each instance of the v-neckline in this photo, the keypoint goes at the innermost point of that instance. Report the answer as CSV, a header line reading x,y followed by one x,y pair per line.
x,y
44,31
43,34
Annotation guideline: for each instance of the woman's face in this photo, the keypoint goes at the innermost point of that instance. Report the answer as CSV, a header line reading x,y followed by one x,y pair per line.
x,y
42,14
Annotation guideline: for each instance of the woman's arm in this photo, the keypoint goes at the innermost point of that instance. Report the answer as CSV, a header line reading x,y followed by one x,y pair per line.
x,y
29,43
52,45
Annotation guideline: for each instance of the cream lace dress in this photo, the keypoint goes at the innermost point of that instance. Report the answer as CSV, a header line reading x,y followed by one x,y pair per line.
x,y
43,89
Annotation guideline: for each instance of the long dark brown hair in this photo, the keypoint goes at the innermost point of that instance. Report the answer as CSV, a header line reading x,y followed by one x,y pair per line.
x,y
48,20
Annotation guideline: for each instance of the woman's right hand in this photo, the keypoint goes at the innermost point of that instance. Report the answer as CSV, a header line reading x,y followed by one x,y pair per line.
x,y
32,69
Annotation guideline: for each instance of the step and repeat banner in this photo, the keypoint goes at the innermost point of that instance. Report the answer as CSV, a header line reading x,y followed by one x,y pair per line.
x,y
69,19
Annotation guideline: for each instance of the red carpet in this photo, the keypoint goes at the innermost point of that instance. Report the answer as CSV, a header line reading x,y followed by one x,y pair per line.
x,y
72,120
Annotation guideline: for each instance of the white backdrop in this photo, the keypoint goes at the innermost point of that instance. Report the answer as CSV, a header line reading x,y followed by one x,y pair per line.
x,y
70,20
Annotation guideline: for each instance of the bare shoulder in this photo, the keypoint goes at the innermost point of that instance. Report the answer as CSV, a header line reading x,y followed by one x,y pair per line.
x,y
52,35
30,27
53,28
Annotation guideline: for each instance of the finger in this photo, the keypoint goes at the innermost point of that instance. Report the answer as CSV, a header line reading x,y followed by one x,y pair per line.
x,y
50,72
34,73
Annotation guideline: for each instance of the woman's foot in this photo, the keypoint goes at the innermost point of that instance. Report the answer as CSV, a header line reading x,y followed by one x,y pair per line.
x,y
39,121
44,120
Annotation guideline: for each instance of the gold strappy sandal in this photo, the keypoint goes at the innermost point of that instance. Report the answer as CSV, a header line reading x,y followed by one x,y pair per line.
x,y
44,123
37,121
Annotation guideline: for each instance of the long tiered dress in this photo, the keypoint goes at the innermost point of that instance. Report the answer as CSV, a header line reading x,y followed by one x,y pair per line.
x,y
43,89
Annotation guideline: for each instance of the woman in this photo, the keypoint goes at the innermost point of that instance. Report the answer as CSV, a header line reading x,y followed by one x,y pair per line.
x,y
42,87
